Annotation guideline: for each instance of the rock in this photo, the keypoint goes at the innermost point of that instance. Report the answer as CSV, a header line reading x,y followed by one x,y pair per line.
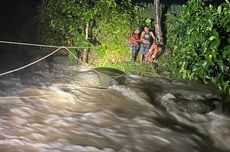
x,y
226,108
194,107
115,74
99,78
171,103
93,79
60,59
40,66
184,96
168,102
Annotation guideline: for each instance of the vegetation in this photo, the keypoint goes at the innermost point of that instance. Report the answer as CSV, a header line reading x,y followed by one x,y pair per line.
x,y
109,25
197,34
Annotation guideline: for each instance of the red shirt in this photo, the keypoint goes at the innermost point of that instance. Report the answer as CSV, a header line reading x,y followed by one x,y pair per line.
x,y
134,39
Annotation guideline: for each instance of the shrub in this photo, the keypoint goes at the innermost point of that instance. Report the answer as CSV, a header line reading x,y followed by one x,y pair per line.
x,y
199,37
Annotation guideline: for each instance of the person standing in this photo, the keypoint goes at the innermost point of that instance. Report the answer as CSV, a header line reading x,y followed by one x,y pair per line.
x,y
135,44
147,39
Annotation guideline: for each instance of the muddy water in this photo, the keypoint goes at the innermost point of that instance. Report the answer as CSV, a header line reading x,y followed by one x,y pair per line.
x,y
50,111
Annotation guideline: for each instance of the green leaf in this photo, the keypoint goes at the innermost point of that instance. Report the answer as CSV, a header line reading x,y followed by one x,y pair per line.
x,y
219,9
212,38
148,21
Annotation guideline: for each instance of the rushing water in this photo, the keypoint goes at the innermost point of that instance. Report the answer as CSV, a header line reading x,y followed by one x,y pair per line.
x,y
58,111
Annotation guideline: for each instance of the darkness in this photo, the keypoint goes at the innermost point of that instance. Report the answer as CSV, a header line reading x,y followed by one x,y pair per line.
x,y
16,15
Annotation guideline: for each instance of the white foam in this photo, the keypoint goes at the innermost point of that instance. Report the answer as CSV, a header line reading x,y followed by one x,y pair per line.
x,y
132,94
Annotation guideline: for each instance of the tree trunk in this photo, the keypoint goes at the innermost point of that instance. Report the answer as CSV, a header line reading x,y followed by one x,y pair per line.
x,y
86,50
157,22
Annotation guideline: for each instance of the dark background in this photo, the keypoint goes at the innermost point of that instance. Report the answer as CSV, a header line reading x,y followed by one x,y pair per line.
x,y
15,14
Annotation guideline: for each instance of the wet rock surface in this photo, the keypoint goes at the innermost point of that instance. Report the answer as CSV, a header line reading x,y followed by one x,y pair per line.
x,y
183,96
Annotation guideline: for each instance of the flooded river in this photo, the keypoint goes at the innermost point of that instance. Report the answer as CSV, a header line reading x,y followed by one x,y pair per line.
x,y
76,109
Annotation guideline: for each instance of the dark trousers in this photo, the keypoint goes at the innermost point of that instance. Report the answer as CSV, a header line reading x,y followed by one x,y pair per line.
x,y
135,49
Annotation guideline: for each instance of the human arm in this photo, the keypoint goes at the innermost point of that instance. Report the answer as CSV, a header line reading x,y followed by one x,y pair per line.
x,y
142,36
137,39
134,39
154,37
131,39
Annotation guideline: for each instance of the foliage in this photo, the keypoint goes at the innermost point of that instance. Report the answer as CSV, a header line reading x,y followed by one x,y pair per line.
x,y
143,14
199,36
164,66
109,24
113,34
63,22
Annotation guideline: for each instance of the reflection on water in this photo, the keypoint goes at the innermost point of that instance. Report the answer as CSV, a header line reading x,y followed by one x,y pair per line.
x,y
140,115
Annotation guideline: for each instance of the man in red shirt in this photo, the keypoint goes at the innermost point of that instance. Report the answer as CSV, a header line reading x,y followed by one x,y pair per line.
x,y
135,43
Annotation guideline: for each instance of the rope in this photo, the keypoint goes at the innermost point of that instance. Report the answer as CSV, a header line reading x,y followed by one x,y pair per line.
x,y
25,97
72,54
40,45
96,70
113,78
27,65
110,80
48,46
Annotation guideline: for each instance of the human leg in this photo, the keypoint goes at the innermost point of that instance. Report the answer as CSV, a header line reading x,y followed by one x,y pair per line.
x,y
134,52
145,51
155,50
142,49
148,56
152,53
